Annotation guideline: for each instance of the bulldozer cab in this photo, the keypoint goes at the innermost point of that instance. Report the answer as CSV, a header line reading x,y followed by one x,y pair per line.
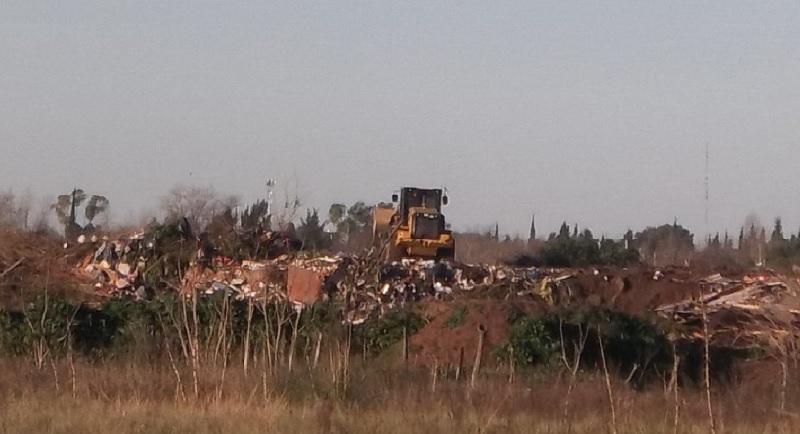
x,y
417,229
419,198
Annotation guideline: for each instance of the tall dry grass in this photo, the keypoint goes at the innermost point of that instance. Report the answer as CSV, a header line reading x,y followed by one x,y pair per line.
x,y
130,396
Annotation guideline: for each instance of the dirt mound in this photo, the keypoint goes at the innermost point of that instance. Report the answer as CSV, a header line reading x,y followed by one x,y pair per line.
x,y
453,329
31,263
635,291
453,325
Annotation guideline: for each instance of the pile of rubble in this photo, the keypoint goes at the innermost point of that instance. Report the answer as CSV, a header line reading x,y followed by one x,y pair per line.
x,y
367,286
116,266
371,288
299,280
741,313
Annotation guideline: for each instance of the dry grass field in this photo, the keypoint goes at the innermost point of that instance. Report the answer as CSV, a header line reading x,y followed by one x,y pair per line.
x,y
128,397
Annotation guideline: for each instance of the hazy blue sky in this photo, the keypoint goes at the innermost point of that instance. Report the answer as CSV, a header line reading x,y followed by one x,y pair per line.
x,y
595,112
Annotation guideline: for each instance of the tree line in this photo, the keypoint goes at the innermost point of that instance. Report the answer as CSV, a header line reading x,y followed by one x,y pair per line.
x,y
215,217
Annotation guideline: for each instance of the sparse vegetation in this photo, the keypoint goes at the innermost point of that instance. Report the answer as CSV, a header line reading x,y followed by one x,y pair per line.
x,y
457,317
143,380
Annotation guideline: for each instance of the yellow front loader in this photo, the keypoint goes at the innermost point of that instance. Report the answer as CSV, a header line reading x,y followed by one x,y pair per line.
x,y
413,227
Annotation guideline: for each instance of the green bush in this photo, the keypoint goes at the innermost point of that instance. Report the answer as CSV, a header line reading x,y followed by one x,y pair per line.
x,y
378,334
629,341
531,342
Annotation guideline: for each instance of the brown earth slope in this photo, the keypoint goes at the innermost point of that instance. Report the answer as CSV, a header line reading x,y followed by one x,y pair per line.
x,y
31,263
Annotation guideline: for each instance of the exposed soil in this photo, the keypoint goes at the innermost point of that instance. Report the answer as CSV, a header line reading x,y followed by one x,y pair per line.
x,y
453,329
634,291
453,325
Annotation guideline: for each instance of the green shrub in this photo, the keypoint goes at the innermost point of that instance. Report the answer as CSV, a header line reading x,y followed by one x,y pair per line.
x,y
378,334
531,342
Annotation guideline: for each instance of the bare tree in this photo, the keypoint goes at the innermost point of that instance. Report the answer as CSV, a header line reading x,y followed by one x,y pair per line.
x,y
755,242
14,210
40,221
573,365
286,214
197,204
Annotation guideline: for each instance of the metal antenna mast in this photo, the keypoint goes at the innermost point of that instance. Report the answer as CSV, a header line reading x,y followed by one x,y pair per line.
x,y
270,186
708,233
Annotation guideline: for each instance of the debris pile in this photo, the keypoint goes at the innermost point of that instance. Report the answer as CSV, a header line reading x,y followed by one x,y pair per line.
x,y
240,280
741,313
116,266
371,288
296,279
367,286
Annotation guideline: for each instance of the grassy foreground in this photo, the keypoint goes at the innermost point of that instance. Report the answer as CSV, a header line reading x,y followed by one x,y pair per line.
x,y
122,397
59,415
